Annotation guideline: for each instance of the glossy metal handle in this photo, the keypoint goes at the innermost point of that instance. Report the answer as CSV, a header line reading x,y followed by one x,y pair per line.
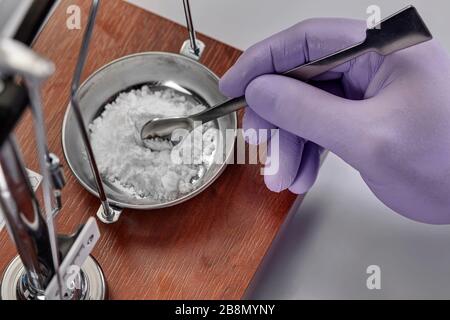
x,y
220,110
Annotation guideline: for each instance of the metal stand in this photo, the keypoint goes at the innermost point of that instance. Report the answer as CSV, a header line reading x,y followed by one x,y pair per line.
x,y
28,275
90,284
49,266
192,48
113,215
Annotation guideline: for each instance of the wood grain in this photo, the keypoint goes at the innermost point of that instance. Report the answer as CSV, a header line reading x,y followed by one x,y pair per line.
x,y
206,248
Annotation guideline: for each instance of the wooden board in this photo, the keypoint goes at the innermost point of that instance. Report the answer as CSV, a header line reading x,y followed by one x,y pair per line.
x,y
206,248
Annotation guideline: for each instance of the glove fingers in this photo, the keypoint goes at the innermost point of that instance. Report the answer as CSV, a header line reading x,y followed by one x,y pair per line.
x,y
316,115
284,157
252,123
309,169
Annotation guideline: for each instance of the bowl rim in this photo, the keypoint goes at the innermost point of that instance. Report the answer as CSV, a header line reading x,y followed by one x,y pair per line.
x,y
171,203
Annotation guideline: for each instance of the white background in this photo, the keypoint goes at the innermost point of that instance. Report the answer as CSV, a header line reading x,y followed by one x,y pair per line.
x,y
241,23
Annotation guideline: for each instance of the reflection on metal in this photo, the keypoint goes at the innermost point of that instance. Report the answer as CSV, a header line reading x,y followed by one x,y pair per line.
x,y
186,49
16,57
90,284
35,181
112,217
24,220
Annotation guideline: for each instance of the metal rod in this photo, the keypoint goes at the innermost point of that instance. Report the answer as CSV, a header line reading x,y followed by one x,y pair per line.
x,y
42,146
77,111
190,26
23,217
34,69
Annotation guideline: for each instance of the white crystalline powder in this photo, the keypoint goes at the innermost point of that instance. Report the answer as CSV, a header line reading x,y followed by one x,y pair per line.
x,y
125,161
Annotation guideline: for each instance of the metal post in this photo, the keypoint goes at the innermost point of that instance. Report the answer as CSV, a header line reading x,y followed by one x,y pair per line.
x,y
25,223
192,47
106,213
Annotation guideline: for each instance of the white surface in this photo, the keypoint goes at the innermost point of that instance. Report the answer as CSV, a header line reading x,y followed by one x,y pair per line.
x,y
341,228
240,23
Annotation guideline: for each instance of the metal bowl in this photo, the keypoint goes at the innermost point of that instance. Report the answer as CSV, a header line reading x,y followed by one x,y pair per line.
x,y
157,69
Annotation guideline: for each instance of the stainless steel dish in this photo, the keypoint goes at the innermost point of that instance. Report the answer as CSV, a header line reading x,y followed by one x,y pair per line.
x,y
158,70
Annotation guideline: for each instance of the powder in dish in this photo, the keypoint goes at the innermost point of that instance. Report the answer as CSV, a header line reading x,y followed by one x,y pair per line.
x,y
125,161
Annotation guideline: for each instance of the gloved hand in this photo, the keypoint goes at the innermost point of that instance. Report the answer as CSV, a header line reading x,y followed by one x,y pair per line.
x,y
388,117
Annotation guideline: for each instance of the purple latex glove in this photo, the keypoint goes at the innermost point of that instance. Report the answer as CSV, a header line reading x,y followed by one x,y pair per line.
x,y
388,117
